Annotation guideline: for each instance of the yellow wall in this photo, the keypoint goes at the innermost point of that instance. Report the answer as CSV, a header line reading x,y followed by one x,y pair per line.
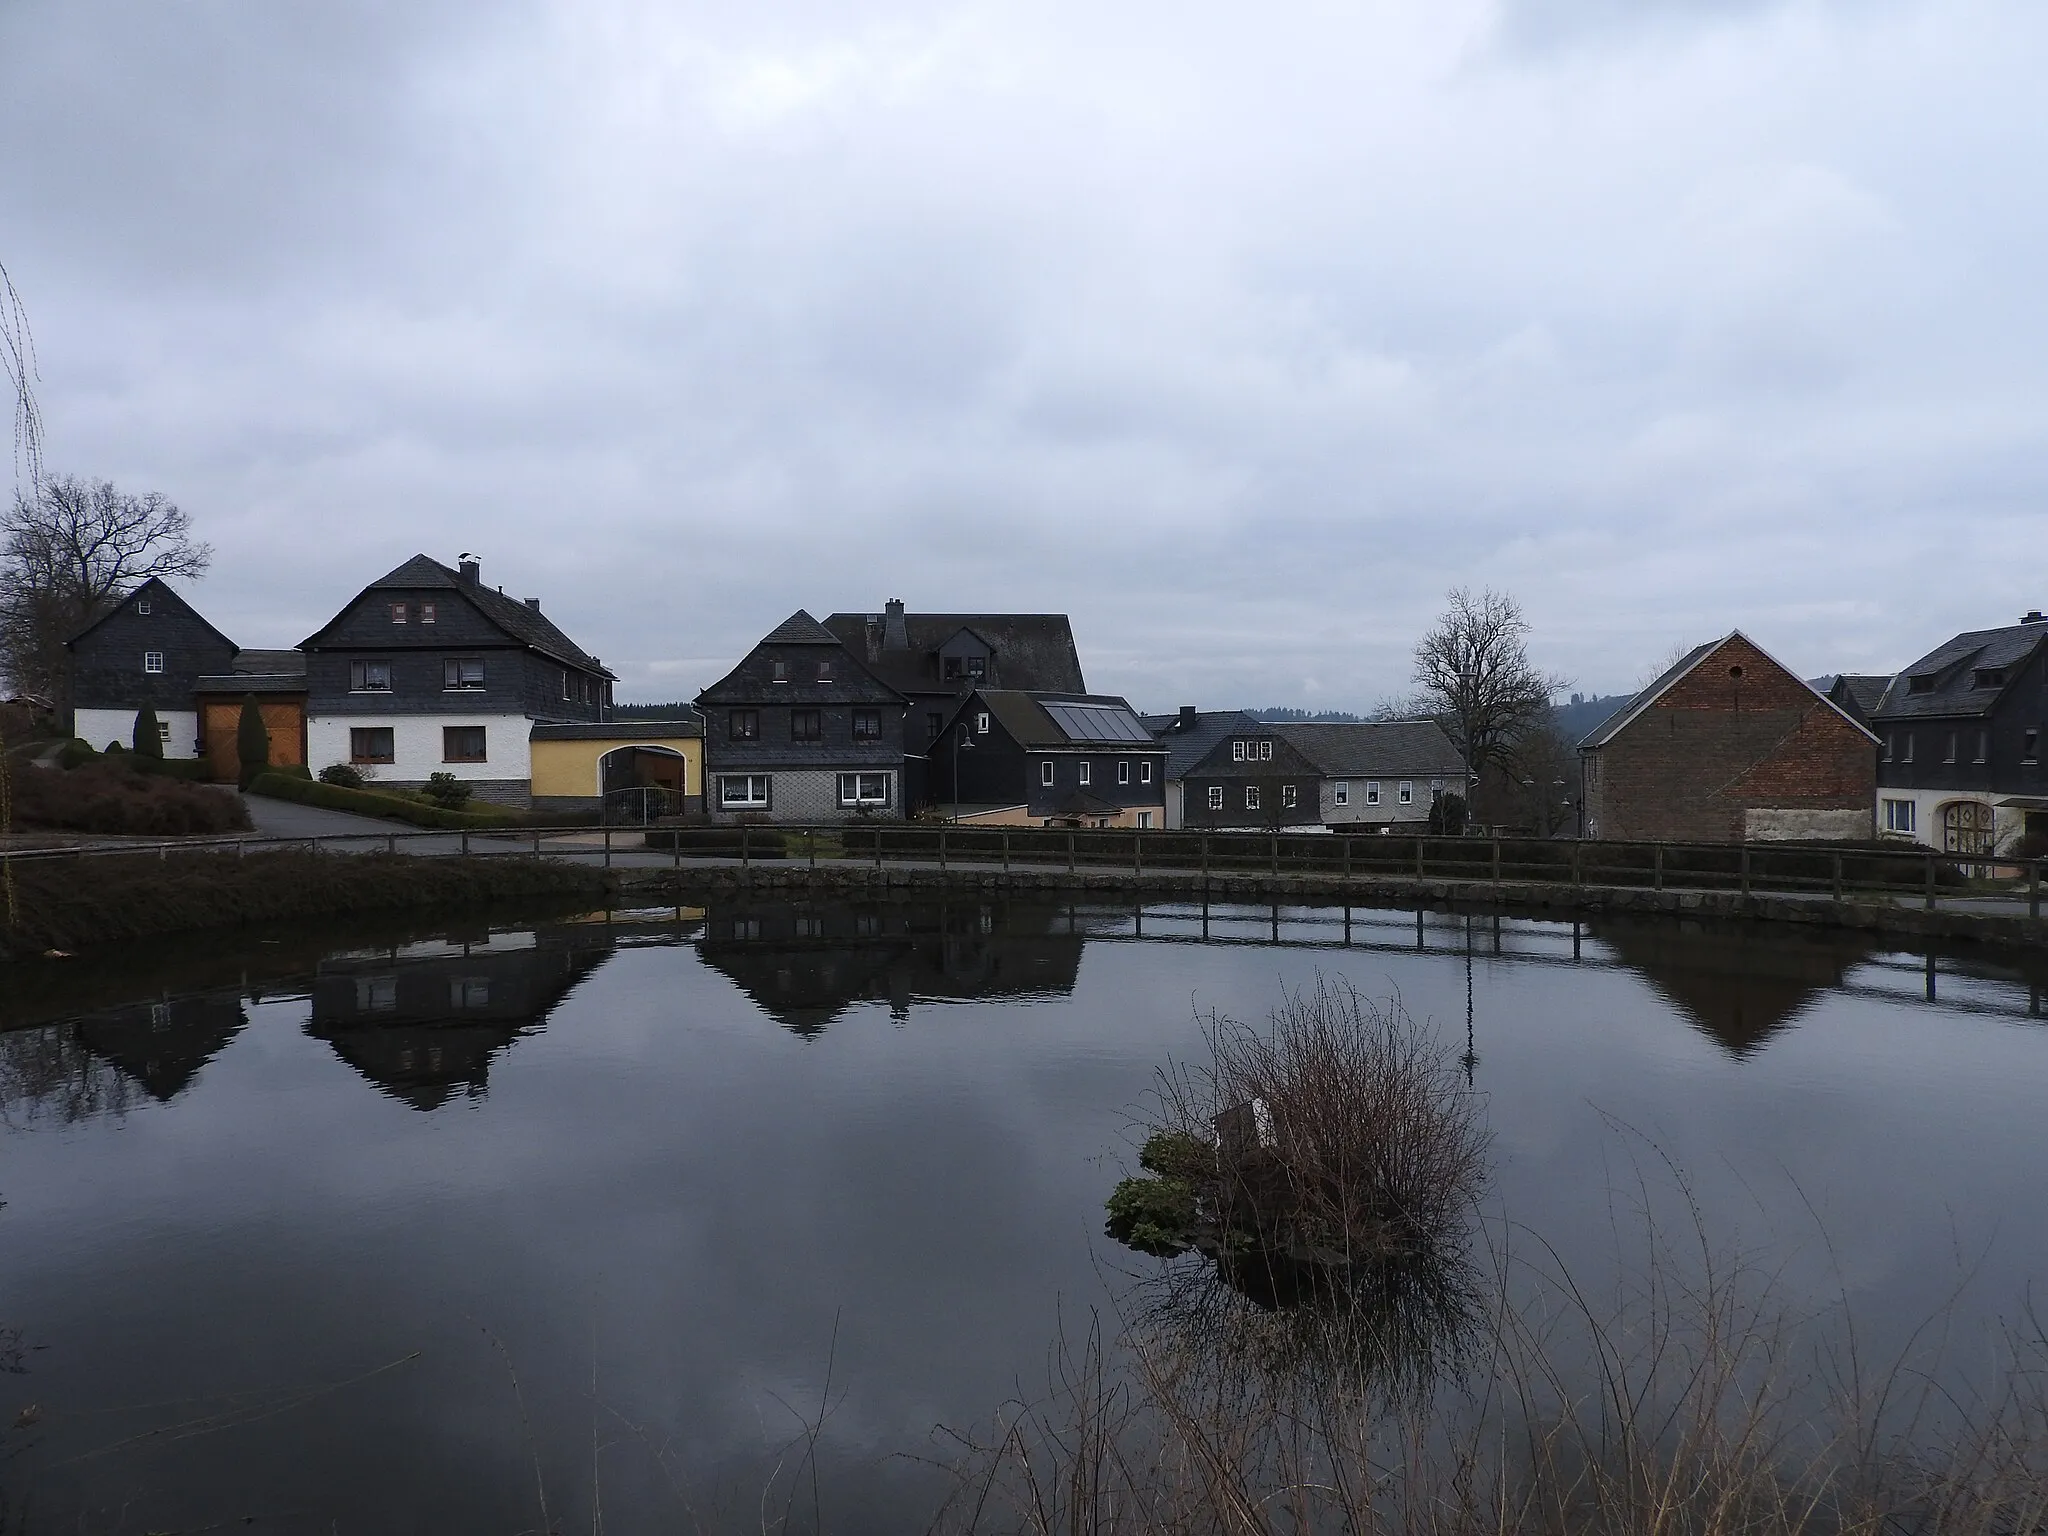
x,y
568,769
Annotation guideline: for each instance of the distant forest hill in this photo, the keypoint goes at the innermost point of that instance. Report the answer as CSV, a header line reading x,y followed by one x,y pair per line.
x,y
1280,715
654,711
1575,721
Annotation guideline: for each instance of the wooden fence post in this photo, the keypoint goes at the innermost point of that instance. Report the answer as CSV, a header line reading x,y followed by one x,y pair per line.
x,y
1930,881
811,844
1205,861
2034,889
1345,839
391,843
1273,854
746,839
1838,877
1745,869
1418,855
607,846
1070,853
942,848
1577,877
1496,861
465,842
1006,850
1137,854
1658,877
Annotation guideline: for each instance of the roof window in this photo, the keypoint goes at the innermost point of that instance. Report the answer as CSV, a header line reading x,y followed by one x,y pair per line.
x,y
1988,677
1923,683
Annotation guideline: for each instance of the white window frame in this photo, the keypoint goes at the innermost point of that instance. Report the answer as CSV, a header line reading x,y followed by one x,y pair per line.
x,y
854,788
400,613
1340,792
1123,770
359,677
426,613
1045,773
1265,751
1251,797
981,724
153,662
1407,792
1372,791
452,668
1145,771
1238,751
1290,797
1215,797
747,799
1084,771
1144,821
824,671
142,605
1901,816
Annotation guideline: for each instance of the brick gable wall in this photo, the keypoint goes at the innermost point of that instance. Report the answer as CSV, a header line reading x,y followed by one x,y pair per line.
x,y
1718,747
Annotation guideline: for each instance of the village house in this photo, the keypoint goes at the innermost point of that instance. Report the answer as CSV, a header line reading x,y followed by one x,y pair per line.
x,y
1960,763
1189,735
154,649
1378,775
427,670
800,731
1011,758
1728,746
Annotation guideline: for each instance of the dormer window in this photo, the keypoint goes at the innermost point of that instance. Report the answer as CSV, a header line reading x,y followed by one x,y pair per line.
x,y
1237,751
1921,684
778,671
824,671
398,613
1988,677
426,613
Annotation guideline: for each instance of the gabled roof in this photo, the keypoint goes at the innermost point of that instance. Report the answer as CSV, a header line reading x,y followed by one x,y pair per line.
x,y
800,629
1625,716
524,624
1187,746
152,584
1954,666
1417,749
271,663
1863,689
1057,719
1034,652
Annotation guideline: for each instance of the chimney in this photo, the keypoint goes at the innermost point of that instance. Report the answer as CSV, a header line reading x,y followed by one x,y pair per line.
x,y
2033,616
1187,718
470,570
533,603
895,633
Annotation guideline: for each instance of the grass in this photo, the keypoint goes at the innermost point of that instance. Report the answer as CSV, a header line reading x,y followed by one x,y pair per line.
x,y
412,809
76,905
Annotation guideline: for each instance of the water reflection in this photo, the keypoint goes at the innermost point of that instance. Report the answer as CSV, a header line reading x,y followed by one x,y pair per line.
x,y
805,963
108,1062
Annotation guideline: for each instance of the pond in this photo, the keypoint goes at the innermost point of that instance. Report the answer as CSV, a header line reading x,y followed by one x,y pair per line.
x,y
415,1230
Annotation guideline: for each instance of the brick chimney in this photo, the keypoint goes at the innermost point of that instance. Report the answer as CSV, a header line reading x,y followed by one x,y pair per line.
x,y
471,570
533,603
895,633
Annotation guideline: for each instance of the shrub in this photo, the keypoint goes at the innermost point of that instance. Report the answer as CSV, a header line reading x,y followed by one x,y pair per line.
x,y
252,740
347,775
76,753
193,770
369,802
149,735
447,791
112,799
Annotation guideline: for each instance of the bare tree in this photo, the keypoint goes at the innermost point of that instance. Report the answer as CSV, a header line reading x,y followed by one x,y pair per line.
x,y
18,362
68,549
1474,674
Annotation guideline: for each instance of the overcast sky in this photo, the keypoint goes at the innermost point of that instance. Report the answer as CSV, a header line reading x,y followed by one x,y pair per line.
x,y
1240,333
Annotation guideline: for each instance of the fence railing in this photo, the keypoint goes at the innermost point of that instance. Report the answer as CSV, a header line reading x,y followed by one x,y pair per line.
x,y
1835,873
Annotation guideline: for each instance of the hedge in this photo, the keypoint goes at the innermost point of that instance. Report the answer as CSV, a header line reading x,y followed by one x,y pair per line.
x,y
368,802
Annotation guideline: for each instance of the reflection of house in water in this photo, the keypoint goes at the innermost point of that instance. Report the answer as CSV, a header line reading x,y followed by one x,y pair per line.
x,y
425,1021
1736,986
804,964
163,1045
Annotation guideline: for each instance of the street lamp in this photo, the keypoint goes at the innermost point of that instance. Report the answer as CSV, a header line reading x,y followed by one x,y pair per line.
x,y
961,738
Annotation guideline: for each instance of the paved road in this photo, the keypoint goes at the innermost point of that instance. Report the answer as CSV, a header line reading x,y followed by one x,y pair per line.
x,y
283,818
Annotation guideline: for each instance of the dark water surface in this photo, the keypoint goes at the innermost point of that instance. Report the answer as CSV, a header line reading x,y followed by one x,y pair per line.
x,y
407,1231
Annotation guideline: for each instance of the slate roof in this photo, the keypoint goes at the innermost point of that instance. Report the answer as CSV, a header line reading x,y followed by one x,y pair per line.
x,y
1023,715
625,732
239,683
271,663
1620,720
1863,692
1405,749
529,626
1953,668
1034,652
1185,748
800,629
153,583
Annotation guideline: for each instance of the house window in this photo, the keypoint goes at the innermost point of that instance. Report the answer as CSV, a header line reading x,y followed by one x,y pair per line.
x,y
1989,677
1144,821
1084,770
1898,816
934,723
1407,792
1123,771
2030,747
1265,751
806,725
426,613
152,661
824,671
810,928
398,613
1372,791
469,992
1951,748
1237,751
1909,747
1983,747
977,667
744,725
565,685
867,725
1290,797
369,677
778,671
1145,772
462,676
1045,773
1251,797
981,724
1215,797
370,744
462,744
1340,793
1890,743
376,994
142,605
743,789
864,789
1921,684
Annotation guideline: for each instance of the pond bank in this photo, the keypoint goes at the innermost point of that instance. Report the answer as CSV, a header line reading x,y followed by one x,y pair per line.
x,y
78,906
1529,898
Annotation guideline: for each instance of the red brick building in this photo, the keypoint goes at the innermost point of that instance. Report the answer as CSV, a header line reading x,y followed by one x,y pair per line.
x,y
1728,746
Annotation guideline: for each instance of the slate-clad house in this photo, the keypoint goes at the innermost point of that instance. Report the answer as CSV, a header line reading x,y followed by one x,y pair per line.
x,y
1377,775
801,731
1857,695
931,659
427,670
276,680
1252,780
1960,762
1010,758
1188,737
1728,746
150,648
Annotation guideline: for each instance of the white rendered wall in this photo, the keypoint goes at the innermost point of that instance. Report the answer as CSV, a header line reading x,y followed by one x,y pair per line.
x,y
100,726
416,745
2007,825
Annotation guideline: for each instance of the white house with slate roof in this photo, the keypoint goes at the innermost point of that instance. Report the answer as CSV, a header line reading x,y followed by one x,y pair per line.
x,y
1378,775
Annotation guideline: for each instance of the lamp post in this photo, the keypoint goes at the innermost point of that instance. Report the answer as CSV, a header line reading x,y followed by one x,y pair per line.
x,y
961,738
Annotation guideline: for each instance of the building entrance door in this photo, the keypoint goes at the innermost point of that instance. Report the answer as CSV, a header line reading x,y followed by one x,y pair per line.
x,y
1966,827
